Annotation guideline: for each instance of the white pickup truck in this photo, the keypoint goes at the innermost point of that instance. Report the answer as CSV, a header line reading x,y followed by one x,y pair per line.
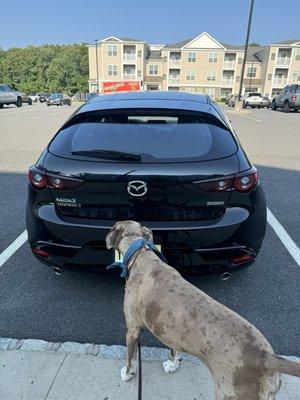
x,y
253,100
9,96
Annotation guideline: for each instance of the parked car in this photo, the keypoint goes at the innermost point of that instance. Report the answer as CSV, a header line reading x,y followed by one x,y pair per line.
x,y
169,160
232,99
266,102
35,97
252,100
288,99
26,99
44,97
8,95
58,99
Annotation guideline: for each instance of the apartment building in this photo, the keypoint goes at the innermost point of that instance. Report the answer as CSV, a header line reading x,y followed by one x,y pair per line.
x,y
201,65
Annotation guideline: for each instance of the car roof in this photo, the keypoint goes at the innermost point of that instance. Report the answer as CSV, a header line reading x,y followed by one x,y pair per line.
x,y
151,99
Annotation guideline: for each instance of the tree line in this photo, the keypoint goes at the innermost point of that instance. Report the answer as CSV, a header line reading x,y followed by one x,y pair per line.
x,y
47,68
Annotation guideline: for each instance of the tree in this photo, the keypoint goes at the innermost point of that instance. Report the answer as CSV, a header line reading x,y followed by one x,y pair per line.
x,y
254,44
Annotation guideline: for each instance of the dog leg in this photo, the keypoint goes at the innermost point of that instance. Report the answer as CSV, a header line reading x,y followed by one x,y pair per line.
x,y
173,364
132,338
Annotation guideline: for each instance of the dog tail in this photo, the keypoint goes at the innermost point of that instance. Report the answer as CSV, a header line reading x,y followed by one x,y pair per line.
x,y
280,364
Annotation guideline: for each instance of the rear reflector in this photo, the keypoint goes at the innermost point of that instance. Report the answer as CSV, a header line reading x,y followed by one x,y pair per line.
x,y
241,259
41,253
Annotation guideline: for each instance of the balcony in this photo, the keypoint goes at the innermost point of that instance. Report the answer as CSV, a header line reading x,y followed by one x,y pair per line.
x,y
174,63
174,81
227,82
129,57
283,61
229,64
279,81
129,77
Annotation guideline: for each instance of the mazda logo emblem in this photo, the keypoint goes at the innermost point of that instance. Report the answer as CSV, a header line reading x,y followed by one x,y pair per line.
x,y
137,188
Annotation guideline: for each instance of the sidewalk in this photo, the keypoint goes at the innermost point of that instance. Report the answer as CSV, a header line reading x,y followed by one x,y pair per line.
x,y
38,370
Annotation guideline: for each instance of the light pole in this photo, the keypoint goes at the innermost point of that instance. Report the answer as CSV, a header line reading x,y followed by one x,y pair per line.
x,y
97,70
246,48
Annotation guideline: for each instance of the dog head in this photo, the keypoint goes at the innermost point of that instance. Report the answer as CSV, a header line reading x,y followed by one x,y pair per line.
x,y
126,228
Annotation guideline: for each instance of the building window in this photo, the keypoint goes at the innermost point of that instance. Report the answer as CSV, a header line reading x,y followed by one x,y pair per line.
x,y
296,76
240,60
139,53
190,75
139,73
297,54
112,50
112,70
251,72
213,57
269,77
191,56
210,91
153,69
273,56
211,75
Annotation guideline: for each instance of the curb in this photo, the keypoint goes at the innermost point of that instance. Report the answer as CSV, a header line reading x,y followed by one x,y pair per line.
x,y
99,350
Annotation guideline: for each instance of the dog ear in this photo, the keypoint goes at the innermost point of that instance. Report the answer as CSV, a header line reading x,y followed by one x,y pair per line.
x,y
114,236
147,233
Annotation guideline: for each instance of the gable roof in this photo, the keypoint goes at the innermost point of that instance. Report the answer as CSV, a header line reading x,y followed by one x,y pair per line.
x,y
288,42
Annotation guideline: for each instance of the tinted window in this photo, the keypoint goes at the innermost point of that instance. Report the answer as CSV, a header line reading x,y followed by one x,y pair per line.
x,y
158,136
254,94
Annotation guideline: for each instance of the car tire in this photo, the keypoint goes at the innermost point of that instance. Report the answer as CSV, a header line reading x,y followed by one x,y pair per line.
x,y
286,107
19,102
48,105
273,106
1,105
244,105
61,103
29,102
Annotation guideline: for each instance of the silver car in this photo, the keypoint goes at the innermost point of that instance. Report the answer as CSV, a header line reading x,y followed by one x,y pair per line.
x,y
9,96
253,100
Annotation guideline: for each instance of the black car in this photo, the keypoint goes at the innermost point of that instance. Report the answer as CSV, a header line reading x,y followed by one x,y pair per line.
x,y
168,160
44,97
58,99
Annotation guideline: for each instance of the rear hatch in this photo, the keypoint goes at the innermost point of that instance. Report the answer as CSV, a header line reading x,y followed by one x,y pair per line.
x,y
145,165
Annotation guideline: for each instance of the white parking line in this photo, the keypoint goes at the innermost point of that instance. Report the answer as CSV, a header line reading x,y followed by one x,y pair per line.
x,y
246,116
6,254
290,245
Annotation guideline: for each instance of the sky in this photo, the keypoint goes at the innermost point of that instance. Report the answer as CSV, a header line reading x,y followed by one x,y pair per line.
x,y
36,22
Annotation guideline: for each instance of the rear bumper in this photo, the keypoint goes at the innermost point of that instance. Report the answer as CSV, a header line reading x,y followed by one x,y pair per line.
x,y
203,245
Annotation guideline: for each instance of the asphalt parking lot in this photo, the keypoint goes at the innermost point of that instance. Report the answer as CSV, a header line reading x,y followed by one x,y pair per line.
x,y
82,307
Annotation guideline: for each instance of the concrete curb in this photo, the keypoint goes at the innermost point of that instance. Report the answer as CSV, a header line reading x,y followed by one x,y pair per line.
x,y
98,350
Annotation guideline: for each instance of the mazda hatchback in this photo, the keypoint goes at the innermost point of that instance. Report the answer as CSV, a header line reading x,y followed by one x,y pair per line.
x,y
169,160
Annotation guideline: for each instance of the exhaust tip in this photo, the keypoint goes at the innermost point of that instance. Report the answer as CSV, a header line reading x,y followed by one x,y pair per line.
x,y
225,276
58,270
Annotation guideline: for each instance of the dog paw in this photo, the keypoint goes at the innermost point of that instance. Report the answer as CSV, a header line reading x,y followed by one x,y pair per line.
x,y
126,374
170,366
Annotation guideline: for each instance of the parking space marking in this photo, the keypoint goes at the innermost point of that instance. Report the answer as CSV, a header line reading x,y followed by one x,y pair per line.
x,y
247,116
7,253
285,238
17,112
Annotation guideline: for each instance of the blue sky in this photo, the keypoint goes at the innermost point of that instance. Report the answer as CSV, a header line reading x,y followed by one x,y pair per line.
x,y
156,21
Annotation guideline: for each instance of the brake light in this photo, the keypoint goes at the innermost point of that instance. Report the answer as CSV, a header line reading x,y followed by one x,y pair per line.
x,y
41,253
293,97
217,185
241,259
40,180
246,181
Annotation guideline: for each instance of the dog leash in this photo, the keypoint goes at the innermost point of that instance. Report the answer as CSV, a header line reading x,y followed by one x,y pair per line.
x,y
140,387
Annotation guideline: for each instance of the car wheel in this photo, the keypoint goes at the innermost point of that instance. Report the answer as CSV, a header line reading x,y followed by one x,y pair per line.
x,y
273,106
69,103
19,102
258,106
48,105
29,102
1,105
286,107
61,103
244,105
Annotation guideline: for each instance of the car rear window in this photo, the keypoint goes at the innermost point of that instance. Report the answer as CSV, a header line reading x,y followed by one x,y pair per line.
x,y
254,95
155,135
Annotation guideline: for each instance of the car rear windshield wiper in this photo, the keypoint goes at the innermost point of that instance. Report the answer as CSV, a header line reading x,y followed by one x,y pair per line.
x,y
108,154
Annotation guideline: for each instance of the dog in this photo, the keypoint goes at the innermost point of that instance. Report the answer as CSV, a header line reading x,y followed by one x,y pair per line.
x,y
185,319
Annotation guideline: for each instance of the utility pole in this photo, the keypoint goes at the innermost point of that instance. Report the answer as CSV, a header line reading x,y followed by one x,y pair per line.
x,y
97,70
246,48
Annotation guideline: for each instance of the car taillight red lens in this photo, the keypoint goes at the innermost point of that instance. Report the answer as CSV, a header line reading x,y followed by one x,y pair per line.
x,y
246,181
293,97
219,185
41,180
38,179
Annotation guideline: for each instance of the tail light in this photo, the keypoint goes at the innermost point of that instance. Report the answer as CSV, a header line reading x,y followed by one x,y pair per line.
x,y
246,181
41,253
217,185
41,180
293,97
243,182
241,259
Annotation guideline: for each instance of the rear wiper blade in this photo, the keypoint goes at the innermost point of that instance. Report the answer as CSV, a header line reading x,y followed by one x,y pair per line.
x,y
108,154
